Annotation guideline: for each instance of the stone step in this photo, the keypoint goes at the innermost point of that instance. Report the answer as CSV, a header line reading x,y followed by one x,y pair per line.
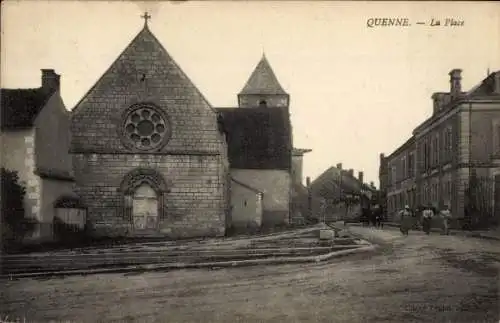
x,y
167,252
67,263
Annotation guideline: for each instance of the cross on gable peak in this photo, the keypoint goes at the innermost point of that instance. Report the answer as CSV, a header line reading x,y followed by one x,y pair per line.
x,y
146,17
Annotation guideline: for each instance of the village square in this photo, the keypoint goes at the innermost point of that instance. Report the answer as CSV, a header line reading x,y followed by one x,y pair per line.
x,y
144,202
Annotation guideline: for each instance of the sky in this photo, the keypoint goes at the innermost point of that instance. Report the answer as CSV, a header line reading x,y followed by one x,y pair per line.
x,y
355,91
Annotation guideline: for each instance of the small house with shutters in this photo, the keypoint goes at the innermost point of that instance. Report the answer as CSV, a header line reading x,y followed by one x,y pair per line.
x,y
35,140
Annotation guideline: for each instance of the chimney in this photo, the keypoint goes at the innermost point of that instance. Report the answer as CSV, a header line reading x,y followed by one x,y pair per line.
x,y
360,177
455,82
382,156
339,165
308,181
436,102
351,172
496,85
50,80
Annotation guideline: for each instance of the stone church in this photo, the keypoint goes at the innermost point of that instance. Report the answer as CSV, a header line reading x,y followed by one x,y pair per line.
x,y
152,157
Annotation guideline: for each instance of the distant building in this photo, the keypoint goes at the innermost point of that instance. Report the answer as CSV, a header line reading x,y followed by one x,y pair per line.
x,y
337,194
383,174
458,142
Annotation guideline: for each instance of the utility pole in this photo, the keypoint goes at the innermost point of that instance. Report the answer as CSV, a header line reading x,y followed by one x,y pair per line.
x,y
340,190
309,197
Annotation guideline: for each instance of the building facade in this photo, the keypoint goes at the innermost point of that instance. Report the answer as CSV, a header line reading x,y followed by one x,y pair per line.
x,y
400,185
148,154
458,142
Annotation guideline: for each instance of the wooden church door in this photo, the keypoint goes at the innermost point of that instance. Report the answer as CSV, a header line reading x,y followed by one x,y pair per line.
x,y
145,208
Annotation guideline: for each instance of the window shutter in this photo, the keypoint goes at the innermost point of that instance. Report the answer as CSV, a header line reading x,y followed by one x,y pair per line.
x,y
497,141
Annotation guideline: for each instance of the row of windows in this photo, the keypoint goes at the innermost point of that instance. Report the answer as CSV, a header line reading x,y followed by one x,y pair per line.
x,y
433,150
496,149
402,168
429,194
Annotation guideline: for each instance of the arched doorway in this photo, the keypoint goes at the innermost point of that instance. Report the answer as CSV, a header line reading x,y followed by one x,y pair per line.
x,y
145,207
143,191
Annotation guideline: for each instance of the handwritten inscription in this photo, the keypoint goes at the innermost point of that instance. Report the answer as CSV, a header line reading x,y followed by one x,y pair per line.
x,y
406,22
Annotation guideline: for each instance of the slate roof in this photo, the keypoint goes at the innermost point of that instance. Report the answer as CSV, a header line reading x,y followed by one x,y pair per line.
x,y
258,138
485,88
20,107
263,80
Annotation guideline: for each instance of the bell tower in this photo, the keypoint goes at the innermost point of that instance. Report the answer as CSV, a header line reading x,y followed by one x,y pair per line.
x,y
263,89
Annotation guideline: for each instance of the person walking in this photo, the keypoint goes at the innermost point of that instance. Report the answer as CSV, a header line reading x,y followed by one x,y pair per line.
x,y
446,215
373,218
406,220
427,215
378,216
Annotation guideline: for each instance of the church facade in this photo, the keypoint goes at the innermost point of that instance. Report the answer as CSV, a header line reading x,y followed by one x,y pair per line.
x,y
148,154
152,157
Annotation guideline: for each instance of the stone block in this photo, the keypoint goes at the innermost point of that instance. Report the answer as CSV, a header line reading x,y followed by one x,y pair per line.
x,y
326,234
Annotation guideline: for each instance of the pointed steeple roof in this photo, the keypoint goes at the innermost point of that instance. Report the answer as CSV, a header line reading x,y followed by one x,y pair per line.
x,y
263,80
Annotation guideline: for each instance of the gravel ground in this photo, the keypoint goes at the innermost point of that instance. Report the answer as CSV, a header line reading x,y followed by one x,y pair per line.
x,y
409,279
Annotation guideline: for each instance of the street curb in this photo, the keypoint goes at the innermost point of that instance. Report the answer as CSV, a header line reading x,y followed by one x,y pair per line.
x,y
452,232
481,236
160,267
457,233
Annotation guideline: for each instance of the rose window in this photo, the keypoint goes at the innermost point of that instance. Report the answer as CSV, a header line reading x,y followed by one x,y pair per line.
x,y
145,128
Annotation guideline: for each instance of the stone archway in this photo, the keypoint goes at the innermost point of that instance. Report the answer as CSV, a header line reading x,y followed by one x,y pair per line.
x,y
143,192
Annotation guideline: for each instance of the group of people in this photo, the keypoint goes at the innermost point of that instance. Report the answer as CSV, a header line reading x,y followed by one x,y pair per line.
x,y
409,218
374,216
421,217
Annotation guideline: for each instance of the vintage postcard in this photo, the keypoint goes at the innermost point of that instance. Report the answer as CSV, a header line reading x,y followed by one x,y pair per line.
x,y
250,161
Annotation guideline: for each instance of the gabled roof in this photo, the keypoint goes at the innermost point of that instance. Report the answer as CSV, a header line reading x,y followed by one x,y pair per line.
x,y
334,182
146,56
263,80
258,138
20,107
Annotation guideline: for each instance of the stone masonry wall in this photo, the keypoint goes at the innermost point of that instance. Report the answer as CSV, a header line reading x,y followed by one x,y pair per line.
x,y
194,205
253,100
